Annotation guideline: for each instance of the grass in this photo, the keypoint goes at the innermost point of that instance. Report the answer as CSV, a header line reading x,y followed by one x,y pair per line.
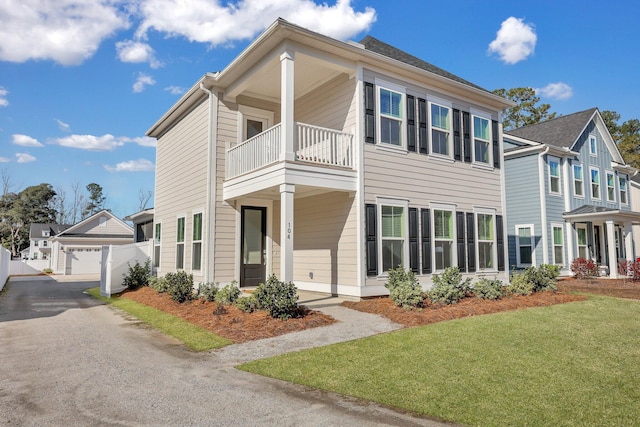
x,y
193,336
574,364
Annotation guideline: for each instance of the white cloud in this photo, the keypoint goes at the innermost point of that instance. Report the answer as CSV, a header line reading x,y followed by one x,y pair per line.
x,y
64,31
26,141
140,165
515,41
217,23
25,158
65,127
3,97
137,52
90,142
175,90
143,141
560,91
4,160
142,81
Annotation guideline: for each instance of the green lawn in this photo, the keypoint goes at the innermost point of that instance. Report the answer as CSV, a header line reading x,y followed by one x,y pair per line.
x,y
194,337
574,364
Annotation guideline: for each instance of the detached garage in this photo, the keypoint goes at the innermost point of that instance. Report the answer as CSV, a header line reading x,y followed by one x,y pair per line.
x,y
83,260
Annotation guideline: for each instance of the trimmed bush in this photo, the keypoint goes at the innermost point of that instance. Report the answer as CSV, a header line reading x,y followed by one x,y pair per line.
x,y
207,291
180,286
489,288
520,285
47,271
584,268
228,294
158,284
404,289
448,287
247,304
138,275
280,299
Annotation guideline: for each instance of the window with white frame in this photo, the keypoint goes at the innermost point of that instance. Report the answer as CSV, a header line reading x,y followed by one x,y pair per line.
x,y
392,236
443,238
558,243
180,244
583,250
196,255
595,183
485,241
524,236
391,116
593,145
611,187
156,245
481,140
578,181
440,129
35,243
554,175
623,190
44,243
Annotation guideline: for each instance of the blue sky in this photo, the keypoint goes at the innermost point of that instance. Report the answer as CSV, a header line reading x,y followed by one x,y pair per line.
x,y
81,81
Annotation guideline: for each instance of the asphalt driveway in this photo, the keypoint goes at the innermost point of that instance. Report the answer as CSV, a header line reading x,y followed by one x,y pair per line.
x,y
67,360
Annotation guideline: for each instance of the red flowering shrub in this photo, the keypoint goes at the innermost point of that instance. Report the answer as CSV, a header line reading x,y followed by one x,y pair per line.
x,y
629,269
583,268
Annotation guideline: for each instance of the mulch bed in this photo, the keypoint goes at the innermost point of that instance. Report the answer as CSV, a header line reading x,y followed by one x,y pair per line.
x,y
619,288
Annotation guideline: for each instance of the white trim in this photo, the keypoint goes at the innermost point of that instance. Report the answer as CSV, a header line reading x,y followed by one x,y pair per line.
x,y
380,85
432,218
592,168
485,116
361,268
184,247
157,243
607,174
595,145
556,160
494,250
553,243
404,204
582,226
443,104
195,212
626,191
259,203
543,206
531,228
573,172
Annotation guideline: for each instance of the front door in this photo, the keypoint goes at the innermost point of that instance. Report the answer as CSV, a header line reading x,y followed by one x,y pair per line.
x,y
253,245
596,244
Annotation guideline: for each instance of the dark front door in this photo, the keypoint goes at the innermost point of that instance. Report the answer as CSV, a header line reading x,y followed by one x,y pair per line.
x,y
596,244
253,248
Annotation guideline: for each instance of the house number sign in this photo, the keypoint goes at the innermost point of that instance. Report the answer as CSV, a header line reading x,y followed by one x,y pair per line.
x,y
289,231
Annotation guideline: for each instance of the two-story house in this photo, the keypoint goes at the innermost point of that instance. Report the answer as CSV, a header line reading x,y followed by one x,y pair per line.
x,y
568,194
328,163
39,234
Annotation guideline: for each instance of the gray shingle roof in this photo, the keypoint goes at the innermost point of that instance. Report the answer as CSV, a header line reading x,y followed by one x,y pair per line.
x,y
560,132
375,45
35,230
589,209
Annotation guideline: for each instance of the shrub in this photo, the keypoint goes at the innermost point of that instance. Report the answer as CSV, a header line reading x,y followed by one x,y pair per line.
x,y
207,291
47,271
180,286
520,285
404,289
228,294
138,275
629,269
448,287
247,304
584,268
158,284
489,288
543,278
280,299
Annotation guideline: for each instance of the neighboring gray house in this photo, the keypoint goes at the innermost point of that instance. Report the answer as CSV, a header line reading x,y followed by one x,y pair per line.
x,y
39,234
568,194
327,163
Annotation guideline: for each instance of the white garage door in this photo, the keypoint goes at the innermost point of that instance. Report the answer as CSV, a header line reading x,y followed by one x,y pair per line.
x,y
84,260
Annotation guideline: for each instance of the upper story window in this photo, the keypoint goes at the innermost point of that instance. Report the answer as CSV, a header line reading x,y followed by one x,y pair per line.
x,y
611,187
45,233
595,183
391,116
593,145
554,175
44,243
440,129
578,181
481,140
623,191
35,243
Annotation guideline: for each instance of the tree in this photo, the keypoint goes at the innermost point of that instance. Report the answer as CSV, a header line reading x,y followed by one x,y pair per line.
x,y
78,203
143,198
626,136
526,112
96,200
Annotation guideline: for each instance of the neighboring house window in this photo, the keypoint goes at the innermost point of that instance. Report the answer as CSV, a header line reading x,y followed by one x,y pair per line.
x,y
582,241
611,187
485,241
196,260
45,233
156,244
391,117
35,243
392,236
558,244
35,255
443,238
440,129
44,243
180,244
481,139
595,183
578,181
593,145
623,191
554,175
524,234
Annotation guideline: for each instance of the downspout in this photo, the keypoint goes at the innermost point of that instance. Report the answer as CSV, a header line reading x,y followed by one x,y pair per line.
x,y
210,214
543,207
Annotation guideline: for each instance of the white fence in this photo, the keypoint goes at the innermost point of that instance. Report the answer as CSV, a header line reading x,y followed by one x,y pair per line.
x,y
115,264
5,260
30,266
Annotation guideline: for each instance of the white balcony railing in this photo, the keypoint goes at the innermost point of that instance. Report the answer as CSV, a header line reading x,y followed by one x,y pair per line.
x,y
313,144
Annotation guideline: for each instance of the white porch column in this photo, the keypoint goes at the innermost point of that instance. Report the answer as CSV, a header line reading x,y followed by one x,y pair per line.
x,y
611,245
571,251
286,105
287,192
628,241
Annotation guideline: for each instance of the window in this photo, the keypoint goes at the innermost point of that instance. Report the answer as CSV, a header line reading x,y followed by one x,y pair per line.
x,y
554,175
35,243
623,191
390,116
524,234
44,243
392,232
440,129
180,244
196,257
558,244
103,221
611,187
578,181
35,255
156,245
581,229
481,139
593,145
443,238
485,241
595,183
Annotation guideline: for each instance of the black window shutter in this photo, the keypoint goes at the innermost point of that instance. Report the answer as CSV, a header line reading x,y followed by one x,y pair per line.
x,y
369,113
466,130
411,123
457,138
371,236
426,241
496,144
462,258
413,240
422,126
500,239
471,243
